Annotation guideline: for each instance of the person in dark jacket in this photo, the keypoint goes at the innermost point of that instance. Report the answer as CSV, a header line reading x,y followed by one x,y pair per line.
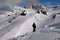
x,y
34,27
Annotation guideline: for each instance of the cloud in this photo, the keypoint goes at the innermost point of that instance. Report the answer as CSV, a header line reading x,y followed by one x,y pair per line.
x,y
7,4
10,3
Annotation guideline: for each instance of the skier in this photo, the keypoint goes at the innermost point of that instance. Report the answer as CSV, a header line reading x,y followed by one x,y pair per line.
x,y
34,27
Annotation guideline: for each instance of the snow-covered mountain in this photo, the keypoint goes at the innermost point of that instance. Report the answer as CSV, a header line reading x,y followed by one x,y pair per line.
x,y
17,24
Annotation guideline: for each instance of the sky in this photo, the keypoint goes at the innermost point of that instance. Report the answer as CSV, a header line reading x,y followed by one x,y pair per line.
x,y
7,5
50,2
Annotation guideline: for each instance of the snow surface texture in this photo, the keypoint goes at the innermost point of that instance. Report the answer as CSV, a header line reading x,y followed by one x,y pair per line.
x,y
14,26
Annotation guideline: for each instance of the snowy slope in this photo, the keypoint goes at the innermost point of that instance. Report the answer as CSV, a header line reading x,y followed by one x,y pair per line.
x,y
21,26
